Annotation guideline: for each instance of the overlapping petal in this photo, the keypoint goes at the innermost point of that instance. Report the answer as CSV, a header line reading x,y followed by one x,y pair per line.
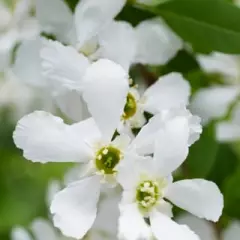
x,y
75,207
203,228
165,228
91,16
55,17
105,91
138,229
118,43
27,66
171,145
63,66
156,43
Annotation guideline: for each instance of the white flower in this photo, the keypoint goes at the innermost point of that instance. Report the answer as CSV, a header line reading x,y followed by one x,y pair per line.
x,y
156,42
66,70
16,25
229,129
41,230
224,64
54,141
21,99
147,183
205,229
213,102
219,103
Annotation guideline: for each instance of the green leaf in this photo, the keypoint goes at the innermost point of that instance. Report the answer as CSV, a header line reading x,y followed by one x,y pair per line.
x,y
202,154
225,165
207,24
231,193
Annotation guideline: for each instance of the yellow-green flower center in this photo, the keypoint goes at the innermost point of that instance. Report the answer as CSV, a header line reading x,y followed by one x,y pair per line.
x,y
147,195
130,107
107,158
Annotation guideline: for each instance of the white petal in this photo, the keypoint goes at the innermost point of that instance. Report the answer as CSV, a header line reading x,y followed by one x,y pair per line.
x,y
232,232
91,16
53,187
170,91
197,196
58,23
76,173
43,230
131,224
227,131
19,233
27,64
211,103
171,145
75,207
217,62
157,43
105,91
144,141
6,16
108,214
203,228
45,138
118,43
132,167
165,228
63,66
72,105
165,208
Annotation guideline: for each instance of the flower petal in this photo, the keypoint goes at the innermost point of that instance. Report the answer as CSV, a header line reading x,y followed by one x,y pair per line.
x,y
45,138
156,43
232,232
43,230
171,145
217,62
203,228
227,131
63,66
91,16
28,54
197,196
138,229
19,233
165,228
67,102
118,43
58,23
170,91
144,141
105,91
75,207
211,103
53,187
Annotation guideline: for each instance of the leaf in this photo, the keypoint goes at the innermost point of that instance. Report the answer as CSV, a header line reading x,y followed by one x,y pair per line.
x,y
225,165
231,193
209,25
202,154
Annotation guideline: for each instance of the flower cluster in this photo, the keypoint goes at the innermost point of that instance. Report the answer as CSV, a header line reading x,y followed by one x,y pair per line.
x,y
126,142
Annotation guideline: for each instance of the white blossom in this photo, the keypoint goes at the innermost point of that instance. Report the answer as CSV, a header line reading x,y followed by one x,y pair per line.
x,y
147,182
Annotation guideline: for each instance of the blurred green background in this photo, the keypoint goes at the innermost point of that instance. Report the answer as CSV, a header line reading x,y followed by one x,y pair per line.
x,y
23,184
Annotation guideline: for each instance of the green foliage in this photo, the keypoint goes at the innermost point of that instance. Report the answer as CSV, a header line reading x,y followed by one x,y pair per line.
x,y
202,154
208,25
